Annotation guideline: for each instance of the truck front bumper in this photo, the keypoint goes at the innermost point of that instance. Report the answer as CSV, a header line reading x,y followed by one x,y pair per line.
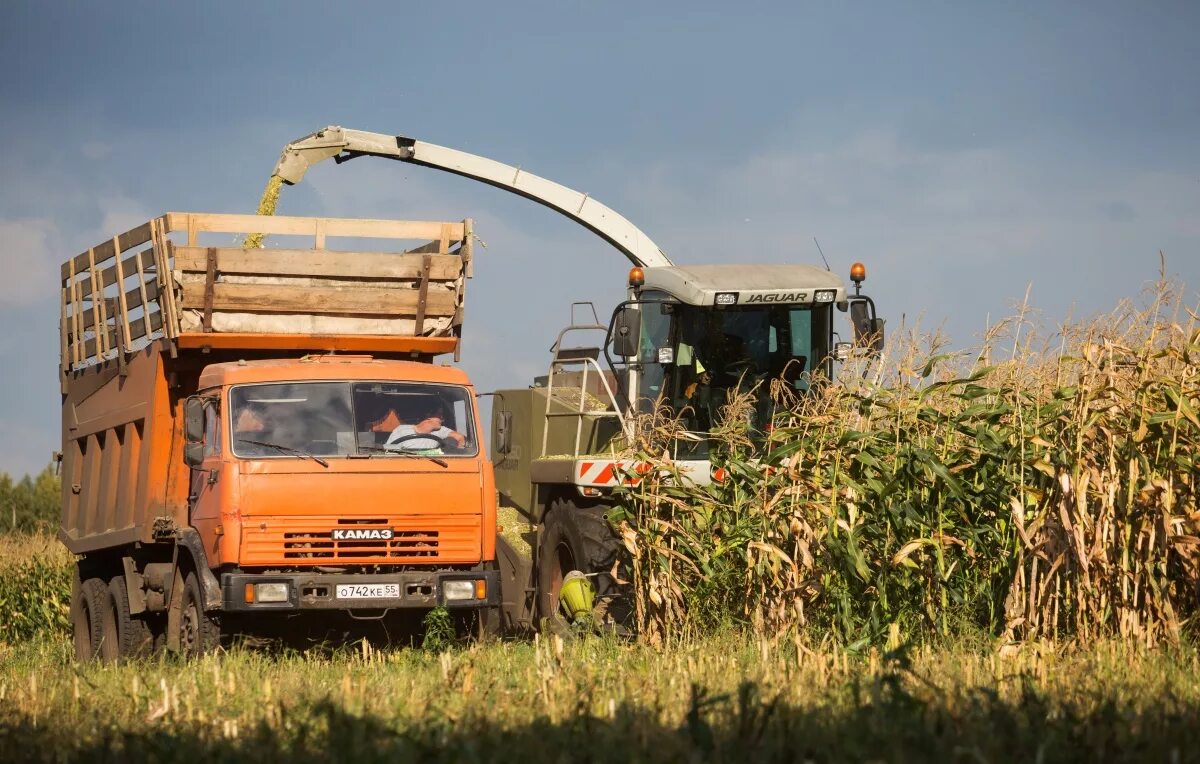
x,y
243,592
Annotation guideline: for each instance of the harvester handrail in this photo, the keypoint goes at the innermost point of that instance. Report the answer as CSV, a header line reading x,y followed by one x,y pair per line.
x,y
575,356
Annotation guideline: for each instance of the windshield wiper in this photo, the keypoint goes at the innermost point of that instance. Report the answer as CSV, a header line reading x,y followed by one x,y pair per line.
x,y
287,450
395,452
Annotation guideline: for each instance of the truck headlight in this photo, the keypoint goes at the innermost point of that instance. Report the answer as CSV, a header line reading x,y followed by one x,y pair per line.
x,y
272,592
825,295
464,590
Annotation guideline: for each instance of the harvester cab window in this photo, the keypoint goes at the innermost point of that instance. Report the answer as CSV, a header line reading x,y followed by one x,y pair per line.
x,y
720,353
655,347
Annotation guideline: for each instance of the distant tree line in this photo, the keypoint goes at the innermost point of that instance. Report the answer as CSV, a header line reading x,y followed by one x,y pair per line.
x,y
31,503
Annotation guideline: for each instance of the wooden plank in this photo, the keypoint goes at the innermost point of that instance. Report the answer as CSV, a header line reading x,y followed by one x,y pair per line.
x,y
108,276
123,322
143,292
133,298
76,307
272,298
64,363
97,297
444,239
319,263
166,292
319,235
422,297
467,252
282,225
210,281
127,240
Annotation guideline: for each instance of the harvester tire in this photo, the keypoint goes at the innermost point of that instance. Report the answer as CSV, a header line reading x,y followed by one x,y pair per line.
x,y
575,536
133,635
87,606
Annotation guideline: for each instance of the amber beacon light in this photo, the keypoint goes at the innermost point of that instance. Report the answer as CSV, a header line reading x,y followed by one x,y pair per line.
x,y
637,277
858,273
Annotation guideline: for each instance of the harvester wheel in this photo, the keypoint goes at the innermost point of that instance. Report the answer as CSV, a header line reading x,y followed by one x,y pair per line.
x,y
87,606
198,633
576,537
133,636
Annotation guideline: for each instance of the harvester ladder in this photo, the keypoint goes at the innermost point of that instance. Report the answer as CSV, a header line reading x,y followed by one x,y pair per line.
x,y
576,357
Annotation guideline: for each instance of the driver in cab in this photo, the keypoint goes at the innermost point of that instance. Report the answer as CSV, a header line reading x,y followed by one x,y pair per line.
x,y
407,437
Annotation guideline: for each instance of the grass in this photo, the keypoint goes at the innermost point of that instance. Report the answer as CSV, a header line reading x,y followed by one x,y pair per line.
x,y
723,698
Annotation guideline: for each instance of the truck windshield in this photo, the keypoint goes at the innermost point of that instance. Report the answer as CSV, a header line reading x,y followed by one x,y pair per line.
x,y
352,419
700,356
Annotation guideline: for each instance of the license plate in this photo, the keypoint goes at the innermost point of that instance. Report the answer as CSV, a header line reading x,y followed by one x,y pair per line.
x,y
367,591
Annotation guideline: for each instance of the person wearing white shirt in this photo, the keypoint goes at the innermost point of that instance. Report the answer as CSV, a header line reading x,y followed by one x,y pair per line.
x,y
404,438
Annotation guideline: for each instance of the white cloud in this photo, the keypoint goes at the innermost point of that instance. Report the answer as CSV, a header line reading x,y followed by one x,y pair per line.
x,y
26,260
118,213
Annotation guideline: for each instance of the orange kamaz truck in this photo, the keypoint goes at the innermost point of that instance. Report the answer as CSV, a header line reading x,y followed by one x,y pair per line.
x,y
261,437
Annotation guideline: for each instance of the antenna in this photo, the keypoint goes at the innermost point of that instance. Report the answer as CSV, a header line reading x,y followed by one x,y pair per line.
x,y
822,254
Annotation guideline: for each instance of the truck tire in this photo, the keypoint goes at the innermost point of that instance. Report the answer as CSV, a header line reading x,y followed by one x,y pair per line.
x,y
576,537
87,604
133,637
198,633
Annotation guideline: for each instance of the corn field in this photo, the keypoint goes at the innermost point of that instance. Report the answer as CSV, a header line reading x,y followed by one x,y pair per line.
x,y
1040,486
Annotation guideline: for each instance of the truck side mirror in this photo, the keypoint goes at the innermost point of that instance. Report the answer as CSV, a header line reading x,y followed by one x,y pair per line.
x,y
193,420
193,454
627,331
504,432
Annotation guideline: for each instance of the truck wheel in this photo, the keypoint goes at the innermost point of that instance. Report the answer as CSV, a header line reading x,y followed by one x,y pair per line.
x,y
87,605
579,538
133,636
198,634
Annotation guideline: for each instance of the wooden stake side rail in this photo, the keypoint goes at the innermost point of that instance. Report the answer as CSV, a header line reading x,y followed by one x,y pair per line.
x,y
112,297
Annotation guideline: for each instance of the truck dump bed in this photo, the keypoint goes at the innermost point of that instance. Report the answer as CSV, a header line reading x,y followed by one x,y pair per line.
x,y
162,280
143,313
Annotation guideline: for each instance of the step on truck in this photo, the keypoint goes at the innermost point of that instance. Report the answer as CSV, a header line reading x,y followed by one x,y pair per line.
x,y
685,338
261,438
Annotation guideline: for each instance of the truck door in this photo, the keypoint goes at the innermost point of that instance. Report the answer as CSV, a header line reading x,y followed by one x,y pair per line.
x,y
204,511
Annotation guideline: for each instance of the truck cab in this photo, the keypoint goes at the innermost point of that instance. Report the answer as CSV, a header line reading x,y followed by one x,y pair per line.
x,y
340,482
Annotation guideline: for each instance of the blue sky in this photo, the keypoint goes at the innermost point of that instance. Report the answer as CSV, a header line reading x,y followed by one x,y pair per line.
x,y
962,150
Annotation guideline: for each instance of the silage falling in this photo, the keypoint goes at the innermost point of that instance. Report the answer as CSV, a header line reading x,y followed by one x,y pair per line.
x,y
266,206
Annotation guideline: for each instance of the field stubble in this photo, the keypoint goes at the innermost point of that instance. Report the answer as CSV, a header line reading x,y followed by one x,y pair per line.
x,y
725,697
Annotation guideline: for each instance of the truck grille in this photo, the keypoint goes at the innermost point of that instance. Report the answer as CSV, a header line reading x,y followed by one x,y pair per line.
x,y
308,540
318,545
